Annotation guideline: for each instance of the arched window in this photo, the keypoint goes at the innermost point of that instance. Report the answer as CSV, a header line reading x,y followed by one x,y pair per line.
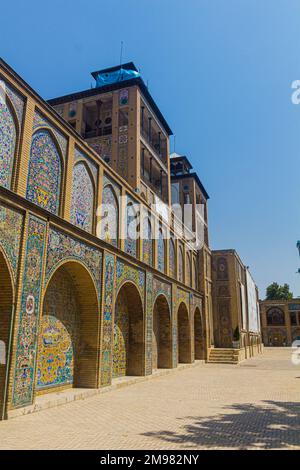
x,y
8,138
172,259
44,175
131,236
147,241
110,221
275,317
82,205
188,269
180,265
161,251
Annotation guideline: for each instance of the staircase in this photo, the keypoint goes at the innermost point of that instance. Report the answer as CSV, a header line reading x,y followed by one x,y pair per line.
x,y
223,356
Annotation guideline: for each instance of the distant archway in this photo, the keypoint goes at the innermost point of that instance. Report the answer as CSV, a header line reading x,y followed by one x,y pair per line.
x,y
198,335
184,335
69,331
6,304
162,334
128,352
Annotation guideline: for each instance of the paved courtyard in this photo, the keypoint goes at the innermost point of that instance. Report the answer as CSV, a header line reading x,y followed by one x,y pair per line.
x,y
255,405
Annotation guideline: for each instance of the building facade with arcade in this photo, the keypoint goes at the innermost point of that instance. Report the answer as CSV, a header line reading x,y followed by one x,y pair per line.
x,y
82,305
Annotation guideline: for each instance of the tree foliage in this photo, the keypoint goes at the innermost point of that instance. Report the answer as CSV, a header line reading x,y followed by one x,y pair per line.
x,y
276,292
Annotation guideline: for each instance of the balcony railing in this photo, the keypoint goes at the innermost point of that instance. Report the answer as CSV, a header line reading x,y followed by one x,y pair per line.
x,y
156,147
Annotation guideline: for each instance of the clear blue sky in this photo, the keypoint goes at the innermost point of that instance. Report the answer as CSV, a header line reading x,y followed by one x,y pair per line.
x,y
221,72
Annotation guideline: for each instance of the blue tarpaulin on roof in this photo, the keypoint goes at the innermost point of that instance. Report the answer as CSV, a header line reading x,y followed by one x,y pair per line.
x,y
107,78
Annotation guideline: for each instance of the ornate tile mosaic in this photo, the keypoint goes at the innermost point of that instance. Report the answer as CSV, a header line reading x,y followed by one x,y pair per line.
x,y
147,242
172,259
159,288
79,155
39,121
121,337
107,329
8,141
44,174
183,296
131,225
11,224
110,222
82,203
161,252
62,246
128,273
29,314
149,323
15,97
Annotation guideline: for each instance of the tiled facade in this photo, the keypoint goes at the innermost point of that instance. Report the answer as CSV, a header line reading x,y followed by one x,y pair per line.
x,y
280,321
84,305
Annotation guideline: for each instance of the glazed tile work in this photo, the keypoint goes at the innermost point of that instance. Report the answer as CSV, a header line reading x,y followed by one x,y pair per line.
x,y
161,252
45,172
126,273
183,296
82,204
131,226
180,265
8,141
11,223
17,100
63,247
81,156
110,222
59,331
160,287
83,309
39,121
30,305
172,259
147,242
109,281
149,322
121,337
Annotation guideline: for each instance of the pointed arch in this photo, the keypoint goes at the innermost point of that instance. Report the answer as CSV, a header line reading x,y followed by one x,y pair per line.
x,y
9,132
45,171
69,330
183,334
198,335
83,197
128,346
110,222
6,306
162,334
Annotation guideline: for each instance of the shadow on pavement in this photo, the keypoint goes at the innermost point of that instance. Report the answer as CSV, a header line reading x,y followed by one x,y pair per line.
x,y
268,426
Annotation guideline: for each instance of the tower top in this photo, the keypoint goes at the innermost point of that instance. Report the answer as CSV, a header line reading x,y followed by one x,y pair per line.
x,y
116,74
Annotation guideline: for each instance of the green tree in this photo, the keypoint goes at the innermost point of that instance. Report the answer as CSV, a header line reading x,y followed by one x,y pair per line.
x,y
276,292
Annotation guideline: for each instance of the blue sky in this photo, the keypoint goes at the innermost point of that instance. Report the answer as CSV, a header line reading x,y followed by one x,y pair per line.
x,y
221,72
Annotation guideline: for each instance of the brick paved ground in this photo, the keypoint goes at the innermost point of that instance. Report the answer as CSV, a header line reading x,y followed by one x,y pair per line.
x,y
253,405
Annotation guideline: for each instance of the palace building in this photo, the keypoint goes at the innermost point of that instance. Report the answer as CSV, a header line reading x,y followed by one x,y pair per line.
x,y
235,307
280,321
83,300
